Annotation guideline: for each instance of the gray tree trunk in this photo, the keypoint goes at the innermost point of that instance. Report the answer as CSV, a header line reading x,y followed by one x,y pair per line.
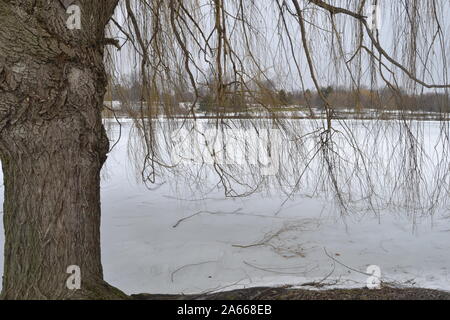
x,y
52,147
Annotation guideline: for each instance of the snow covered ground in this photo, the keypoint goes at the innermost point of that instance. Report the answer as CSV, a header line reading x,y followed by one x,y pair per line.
x,y
241,242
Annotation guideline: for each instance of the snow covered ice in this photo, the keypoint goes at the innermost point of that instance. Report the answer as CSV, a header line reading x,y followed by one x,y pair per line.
x,y
162,241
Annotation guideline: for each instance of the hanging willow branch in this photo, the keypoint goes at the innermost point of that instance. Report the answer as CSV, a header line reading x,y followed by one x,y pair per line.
x,y
248,53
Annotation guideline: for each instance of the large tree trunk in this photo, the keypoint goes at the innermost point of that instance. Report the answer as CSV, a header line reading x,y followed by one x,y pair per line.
x,y
52,148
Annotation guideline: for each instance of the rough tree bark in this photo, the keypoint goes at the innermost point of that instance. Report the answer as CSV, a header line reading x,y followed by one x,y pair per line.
x,y
52,147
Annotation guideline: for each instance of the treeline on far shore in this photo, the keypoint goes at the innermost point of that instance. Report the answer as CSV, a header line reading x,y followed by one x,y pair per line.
x,y
236,100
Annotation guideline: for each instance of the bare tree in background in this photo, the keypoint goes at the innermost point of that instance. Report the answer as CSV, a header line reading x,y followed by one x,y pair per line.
x,y
53,81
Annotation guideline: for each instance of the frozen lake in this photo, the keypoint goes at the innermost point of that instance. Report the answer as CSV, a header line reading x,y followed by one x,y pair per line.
x,y
259,240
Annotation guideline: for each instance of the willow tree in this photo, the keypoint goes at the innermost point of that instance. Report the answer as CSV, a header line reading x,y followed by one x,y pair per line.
x,y
53,146
53,82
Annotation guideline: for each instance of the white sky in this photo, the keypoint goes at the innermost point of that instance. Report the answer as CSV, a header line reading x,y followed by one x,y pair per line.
x,y
278,63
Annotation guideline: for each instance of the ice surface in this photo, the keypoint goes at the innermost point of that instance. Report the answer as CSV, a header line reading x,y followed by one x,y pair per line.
x,y
218,249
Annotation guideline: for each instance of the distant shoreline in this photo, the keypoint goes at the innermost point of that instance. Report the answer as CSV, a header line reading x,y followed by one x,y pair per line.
x,y
282,117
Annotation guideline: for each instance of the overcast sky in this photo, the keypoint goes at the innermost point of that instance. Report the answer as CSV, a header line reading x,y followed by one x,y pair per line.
x,y
277,58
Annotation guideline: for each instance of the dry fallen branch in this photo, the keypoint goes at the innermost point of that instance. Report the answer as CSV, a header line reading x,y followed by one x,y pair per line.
x,y
278,271
237,211
188,266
